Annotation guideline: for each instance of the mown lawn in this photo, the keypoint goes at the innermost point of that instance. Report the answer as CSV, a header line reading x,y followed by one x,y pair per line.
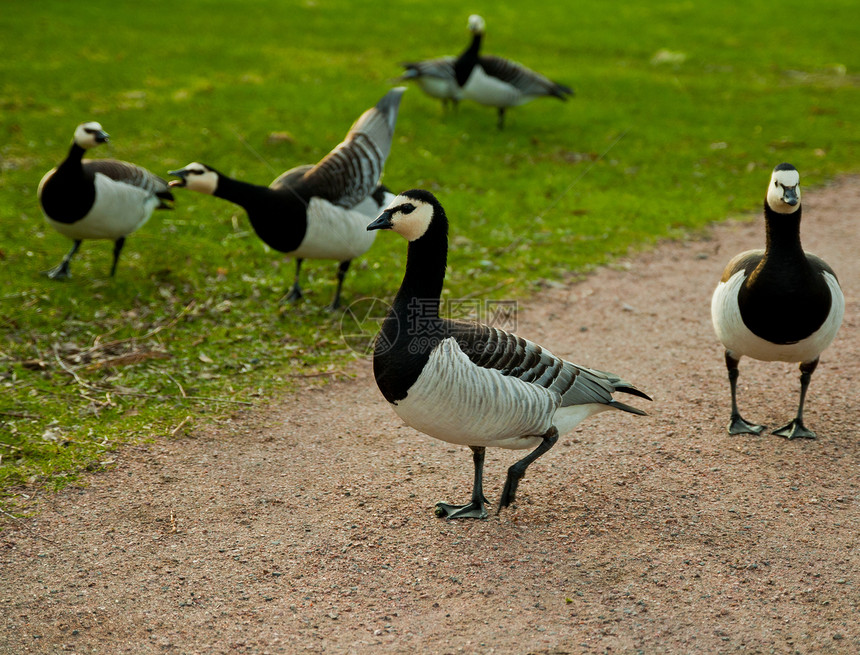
x,y
681,111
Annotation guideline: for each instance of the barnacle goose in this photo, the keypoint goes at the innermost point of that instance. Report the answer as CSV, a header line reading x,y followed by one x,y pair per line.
x,y
777,304
98,198
435,77
468,383
320,211
499,82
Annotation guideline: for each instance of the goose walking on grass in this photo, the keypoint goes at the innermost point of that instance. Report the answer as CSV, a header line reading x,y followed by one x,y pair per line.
x,y
98,198
320,211
499,82
468,383
777,304
436,78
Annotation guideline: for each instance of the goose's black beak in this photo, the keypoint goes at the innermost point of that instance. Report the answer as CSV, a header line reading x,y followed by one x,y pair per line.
x,y
101,136
180,174
789,197
383,222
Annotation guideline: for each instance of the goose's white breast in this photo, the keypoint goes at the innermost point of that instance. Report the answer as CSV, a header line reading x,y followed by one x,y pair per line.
x,y
439,88
334,232
489,90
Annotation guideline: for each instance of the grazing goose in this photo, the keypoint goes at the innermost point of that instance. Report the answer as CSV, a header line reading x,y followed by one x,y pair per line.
x,y
316,212
499,82
436,78
98,198
777,304
467,383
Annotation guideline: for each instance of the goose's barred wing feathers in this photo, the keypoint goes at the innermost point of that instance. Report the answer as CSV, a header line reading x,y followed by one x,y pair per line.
x,y
350,172
123,171
526,80
440,67
514,356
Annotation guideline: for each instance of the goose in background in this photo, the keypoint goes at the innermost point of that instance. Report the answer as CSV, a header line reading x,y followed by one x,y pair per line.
x,y
468,383
498,82
98,198
777,304
319,211
436,78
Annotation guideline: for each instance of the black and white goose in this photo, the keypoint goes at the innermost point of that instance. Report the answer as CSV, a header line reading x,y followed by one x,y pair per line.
x,y
468,383
436,78
777,304
320,211
498,82
98,198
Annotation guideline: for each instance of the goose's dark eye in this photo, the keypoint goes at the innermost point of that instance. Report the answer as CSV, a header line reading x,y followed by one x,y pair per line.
x,y
407,209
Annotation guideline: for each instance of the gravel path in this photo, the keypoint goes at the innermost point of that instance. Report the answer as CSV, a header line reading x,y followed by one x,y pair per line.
x,y
307,525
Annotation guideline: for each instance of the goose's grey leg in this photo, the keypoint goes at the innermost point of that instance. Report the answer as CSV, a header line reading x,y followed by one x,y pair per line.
x,y
518,470
341,273
61,270
296,291
737,425
501,123
475,508
796,429
117,249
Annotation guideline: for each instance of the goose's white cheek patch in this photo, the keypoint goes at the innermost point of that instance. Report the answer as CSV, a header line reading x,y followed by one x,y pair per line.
x,y
412,226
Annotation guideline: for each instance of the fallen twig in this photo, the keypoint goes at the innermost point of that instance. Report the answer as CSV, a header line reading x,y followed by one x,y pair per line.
x,y
27,527
176,382
200,398
17,415
151,333
68,370
179,427
313,375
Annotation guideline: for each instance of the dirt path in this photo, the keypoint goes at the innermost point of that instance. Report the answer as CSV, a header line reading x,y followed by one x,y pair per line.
x,y
307,526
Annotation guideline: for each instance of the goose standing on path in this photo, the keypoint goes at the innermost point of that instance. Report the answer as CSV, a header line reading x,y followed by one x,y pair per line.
x,y
321,211
777,304
498,82
98,198
468,383
436,78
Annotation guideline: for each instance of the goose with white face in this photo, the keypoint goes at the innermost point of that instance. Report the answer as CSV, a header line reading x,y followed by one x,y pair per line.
x,y
409,217
476,24
89,135
197,177
783,194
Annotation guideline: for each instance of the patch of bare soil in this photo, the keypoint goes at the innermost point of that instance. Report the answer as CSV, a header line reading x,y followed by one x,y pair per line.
x,y
307,525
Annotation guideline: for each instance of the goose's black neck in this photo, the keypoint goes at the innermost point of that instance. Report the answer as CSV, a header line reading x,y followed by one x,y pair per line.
x,y
426,260
782,233
466,62
278,216
413,327
76,154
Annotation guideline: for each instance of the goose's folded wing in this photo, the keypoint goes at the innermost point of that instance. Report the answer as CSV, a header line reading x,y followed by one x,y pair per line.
x,y
745,261
132,174
527,81
440,67
350,172
514,356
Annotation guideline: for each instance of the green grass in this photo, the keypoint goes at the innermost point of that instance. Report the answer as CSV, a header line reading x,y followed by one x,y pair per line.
x,y
643,152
